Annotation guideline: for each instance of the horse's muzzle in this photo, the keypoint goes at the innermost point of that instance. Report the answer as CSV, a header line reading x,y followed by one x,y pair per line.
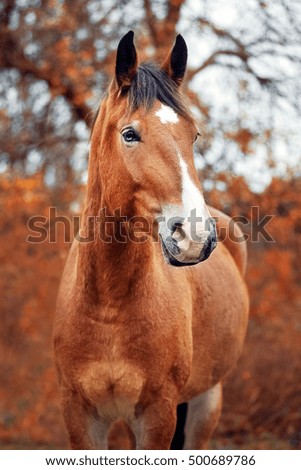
x,y
174,255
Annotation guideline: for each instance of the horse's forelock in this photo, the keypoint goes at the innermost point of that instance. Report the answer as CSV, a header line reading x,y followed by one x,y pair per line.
x,y
149,84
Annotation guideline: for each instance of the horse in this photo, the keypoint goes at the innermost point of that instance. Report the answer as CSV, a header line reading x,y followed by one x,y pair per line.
x,y
152,310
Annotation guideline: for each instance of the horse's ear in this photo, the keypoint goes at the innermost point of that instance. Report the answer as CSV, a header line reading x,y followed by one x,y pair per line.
x,y
126,61
175,63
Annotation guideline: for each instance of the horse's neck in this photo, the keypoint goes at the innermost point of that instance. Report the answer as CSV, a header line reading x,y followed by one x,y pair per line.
x,y
109,264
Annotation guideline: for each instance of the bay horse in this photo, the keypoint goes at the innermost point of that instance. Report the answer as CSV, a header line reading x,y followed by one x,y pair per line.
x,y
147,321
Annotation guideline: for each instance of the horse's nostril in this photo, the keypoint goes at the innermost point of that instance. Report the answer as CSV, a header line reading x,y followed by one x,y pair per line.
x,y
176,222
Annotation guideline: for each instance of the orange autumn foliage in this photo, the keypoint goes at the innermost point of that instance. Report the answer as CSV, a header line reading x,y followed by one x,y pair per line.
x,y
244,138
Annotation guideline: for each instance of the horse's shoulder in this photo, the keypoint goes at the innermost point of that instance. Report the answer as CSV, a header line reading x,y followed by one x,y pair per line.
x,y
231,235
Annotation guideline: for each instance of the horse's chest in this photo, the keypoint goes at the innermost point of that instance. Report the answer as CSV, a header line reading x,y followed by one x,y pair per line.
x,y
120,365
116,385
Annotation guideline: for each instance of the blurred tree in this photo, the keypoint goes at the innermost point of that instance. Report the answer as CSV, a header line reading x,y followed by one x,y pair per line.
x,y
57,56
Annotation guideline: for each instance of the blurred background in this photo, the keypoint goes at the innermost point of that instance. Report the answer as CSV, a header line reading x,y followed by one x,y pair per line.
x,y
243,81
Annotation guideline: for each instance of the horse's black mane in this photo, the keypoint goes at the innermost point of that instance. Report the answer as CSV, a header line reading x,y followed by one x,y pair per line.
x,y
151,83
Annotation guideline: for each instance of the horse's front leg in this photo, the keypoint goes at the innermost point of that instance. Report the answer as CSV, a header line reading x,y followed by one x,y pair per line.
x,y
85,428
155,428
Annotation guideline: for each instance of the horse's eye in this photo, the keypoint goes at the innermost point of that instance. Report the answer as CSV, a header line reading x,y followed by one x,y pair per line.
x,y
196,137
130,135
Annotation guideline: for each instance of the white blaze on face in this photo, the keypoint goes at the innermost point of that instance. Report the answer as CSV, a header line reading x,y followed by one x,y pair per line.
x,y
167,115
192,198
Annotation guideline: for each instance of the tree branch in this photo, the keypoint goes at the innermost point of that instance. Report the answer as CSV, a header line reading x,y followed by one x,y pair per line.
x,y
173,14
5,15
243,53
11,56
240,52
211,60
151,22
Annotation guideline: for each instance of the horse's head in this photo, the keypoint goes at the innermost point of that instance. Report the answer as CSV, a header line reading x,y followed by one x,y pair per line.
x,y
143,141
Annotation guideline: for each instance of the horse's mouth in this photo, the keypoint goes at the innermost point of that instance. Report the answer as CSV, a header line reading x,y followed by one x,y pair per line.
x,y
173,261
